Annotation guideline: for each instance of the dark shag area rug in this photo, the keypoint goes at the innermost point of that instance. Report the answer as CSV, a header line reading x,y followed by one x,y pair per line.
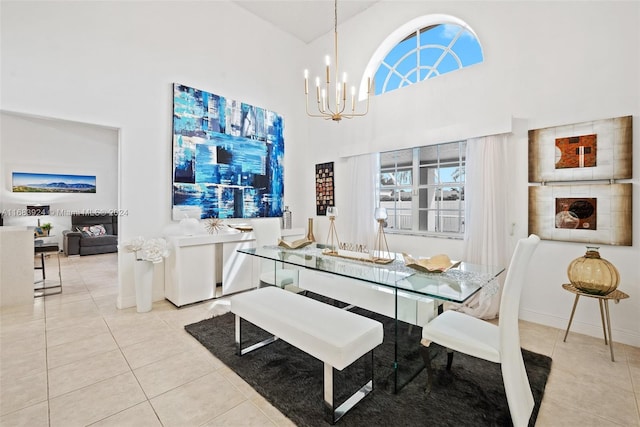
x,y
470,394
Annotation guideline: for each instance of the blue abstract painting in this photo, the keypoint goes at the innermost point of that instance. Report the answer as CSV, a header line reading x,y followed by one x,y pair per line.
x,y
228,157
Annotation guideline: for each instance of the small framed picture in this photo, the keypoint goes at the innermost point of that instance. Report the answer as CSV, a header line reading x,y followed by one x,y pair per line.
x,y
595,150
586,213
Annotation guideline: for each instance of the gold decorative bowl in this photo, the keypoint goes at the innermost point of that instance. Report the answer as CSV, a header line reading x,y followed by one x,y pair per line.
x,y
435,264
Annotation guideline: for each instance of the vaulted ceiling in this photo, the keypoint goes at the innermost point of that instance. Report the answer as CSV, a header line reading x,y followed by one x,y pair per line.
x,y
305,19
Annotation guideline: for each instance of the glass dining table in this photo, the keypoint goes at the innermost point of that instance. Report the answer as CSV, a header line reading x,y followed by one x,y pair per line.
x,y
409,297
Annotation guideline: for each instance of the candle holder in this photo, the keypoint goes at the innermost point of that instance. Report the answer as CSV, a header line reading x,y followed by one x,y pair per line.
x,y
333,242
381,248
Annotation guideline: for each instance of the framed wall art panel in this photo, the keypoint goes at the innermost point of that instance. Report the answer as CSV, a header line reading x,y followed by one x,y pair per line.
x,y
26,182
228,157
324,187
586,213
596,150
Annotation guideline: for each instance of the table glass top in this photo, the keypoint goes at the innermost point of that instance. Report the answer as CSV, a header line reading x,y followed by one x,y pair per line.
x,y
456,284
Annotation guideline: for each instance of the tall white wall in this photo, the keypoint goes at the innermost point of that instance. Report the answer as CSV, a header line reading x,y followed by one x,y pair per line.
x,y
546,64
113,64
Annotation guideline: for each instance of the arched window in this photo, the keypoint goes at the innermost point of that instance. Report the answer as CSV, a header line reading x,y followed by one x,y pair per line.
x,y
423,48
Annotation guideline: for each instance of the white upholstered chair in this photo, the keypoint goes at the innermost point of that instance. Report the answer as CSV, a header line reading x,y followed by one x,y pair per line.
x,y
496,343
267,232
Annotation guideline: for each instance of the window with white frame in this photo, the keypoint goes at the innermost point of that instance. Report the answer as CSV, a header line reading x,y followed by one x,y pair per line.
x,y
422,189
439,45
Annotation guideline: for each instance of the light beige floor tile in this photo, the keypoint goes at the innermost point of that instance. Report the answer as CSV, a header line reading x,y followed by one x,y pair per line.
x,y
81,349
74,331
635,378
538,338
275,415
245,414
238,382
95,402
592,366
15,344
73,376
633,354
596,398
141,415
72,321
185,316
69,294
32,416
592,346
22,313
138,333
23,365
103,291
31,309
149,351
73,309
197,402
169,373
22,392
554,414
10,331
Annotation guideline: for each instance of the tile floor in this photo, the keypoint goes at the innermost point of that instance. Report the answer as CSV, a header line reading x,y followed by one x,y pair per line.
x,y
74,359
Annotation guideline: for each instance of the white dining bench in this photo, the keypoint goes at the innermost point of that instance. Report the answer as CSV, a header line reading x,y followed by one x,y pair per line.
x,y
334,336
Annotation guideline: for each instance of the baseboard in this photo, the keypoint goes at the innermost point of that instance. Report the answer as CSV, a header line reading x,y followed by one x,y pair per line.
x,y
594,330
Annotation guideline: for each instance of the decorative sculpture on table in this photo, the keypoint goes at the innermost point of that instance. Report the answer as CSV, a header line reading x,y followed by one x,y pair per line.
x,y
332,238
213,225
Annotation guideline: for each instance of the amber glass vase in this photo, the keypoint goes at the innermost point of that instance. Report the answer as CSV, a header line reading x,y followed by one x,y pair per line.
x,y
592,274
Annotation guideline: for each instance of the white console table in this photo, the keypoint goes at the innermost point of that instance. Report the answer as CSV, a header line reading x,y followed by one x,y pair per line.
x,y
198,263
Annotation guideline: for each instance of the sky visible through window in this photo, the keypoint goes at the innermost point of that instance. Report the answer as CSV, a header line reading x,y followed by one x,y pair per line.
x,y
425,54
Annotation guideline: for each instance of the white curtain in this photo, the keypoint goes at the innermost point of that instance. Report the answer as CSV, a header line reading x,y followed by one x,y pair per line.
x,y
486,219
356,223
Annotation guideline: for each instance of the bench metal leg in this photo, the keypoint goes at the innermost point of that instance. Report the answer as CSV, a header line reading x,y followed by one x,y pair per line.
x,y
239,350
333,413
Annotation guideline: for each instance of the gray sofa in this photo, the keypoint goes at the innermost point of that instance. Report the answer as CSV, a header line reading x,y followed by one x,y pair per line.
x,y
75,242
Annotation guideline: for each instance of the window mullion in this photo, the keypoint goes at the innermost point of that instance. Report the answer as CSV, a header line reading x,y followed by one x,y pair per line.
x,y
415,197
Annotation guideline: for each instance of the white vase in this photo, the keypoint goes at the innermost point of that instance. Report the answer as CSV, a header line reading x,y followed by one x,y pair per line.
x,y
189,226
143,273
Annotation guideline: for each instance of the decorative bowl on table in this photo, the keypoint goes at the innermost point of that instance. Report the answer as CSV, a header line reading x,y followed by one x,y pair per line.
x,y
242,227
296,244
435,264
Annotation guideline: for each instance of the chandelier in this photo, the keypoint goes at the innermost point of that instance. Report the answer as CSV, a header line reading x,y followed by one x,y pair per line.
x,y
332,101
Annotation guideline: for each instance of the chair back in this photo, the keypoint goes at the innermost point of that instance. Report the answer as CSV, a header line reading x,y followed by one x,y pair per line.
x,y
512,289
516,382
266,231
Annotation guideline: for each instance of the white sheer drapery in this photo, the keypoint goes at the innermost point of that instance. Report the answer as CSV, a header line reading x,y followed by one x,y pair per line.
x,y
486,219
356,220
